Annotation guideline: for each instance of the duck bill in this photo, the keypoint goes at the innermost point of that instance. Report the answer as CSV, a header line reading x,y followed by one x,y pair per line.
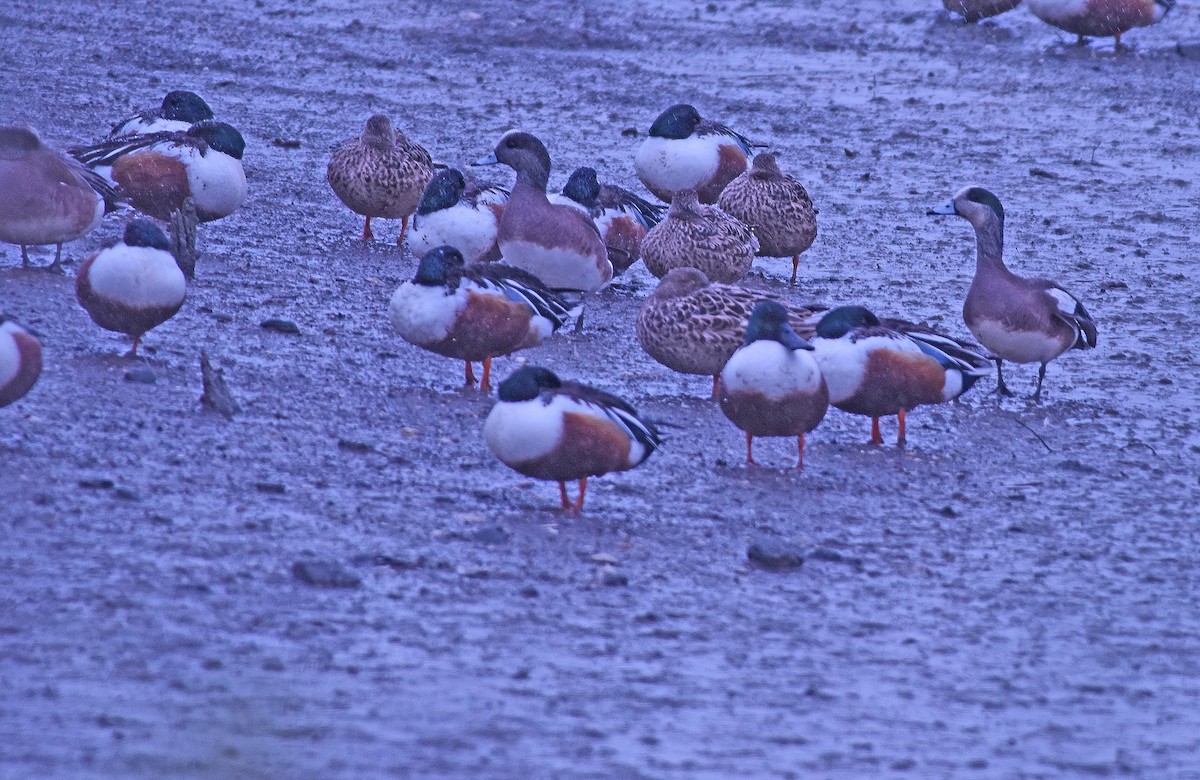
x,y
945,208
488,160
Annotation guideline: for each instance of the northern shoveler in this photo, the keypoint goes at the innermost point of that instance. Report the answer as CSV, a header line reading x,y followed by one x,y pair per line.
x,y
1100,18
20,361
699,236
180,110
621,216
686,152
461,212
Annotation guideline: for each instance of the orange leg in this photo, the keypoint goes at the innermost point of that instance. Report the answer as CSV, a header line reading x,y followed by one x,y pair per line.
x,y
470,374
716,394
403,231
487,372
24,256
750,450
133,350
1118,37
795,267
901,437
582,490
800,451
367,234
562,491
876,436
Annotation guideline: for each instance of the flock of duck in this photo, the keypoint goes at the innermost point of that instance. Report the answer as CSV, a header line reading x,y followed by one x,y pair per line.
x,y
501,269
1083,18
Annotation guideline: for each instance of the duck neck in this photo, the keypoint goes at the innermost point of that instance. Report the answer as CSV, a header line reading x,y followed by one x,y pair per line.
x,y
989,239
534,176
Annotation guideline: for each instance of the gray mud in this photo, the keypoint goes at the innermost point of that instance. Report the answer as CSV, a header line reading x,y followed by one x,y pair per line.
x,y
1015,595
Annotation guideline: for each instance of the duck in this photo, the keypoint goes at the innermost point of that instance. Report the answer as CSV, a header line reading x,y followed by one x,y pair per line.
x,y
1100,18
693,326
134,285
974,10
180,110
772,385
476,312
1020,319
380,173
700,236
20,361
563,431
776,207
558,244
461,212
622,217
686,152
47,197
880,368
157,172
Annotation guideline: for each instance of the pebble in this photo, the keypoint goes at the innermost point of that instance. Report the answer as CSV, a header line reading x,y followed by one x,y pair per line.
x,y
491,536
325,574
609,577
101,483
281,326
774,555
1188,49
270,487
141,375
833,556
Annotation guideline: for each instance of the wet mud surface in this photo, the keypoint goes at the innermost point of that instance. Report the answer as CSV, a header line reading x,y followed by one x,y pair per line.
x,y
342,581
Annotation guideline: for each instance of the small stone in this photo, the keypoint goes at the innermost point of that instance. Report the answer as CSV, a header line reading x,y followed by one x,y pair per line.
x,y
270,487
609,577
774,555
630,132
212,664
833,556
286,143
355,446
272,665
1188,49
281,326
530,592
491,536
1043,173
141,375
604,558
101,483
325,574
129,494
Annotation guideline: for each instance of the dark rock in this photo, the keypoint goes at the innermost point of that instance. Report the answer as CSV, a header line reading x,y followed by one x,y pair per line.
x,y
129,494
355,446
774,555
325,574
270,487
281,326
491,535
1043,173
1188,49
608,576
286,143
530,592
141,375
216,393
833,556
101,483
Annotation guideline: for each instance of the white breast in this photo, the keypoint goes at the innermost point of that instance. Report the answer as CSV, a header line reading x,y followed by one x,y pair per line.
x,y
140,277
1017,346
470,230
557,268
681,164
217,181
1057,9
10,354
521,431
844,363
772,369
422,314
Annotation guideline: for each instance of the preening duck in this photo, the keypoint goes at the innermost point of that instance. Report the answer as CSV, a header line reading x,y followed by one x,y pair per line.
x,y
459,211
686,152
180,109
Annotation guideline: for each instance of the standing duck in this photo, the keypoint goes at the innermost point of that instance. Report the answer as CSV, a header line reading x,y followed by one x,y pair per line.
x,y
558,244
20,361
180,110
621,216
694,327
776,207
772,386
878,369
159,171
974,10
47,197
1018,319
548,429
459,212
698,236
685,152
474,313
133,285
380,174
1100,18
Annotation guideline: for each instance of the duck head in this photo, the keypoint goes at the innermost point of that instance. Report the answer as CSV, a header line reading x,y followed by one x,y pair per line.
x,y
440,267
445,189
18,139
525,154
677,122
975,204
769,322
527,383
378,133
583,187
842,320
685,204
679,282
765,167
183,106
143,232
220,136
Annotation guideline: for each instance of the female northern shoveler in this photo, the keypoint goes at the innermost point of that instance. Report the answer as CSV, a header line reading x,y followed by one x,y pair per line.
x,y
776,207
974,10
459,212
474,313
20,361
133,285
685,152
621,217
1018,319
564,431
1100,18
699,236
380,174
557,244
878,369
47,197
180,110
772,386
694,327
159,171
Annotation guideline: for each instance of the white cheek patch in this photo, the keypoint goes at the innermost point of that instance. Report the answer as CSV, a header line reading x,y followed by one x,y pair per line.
x,y
682,164
772,369
140,277
424,315
470,230
10,355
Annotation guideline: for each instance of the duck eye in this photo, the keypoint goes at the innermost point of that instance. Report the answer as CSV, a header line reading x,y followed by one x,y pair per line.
x,y
511,143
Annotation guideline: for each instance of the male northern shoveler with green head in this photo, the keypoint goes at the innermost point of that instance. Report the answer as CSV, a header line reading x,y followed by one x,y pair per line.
x,y
686,152
180,110
20,361
564,431
458,211
1018,319
1100,18
474,313
621,216
772,386
878,369
698,236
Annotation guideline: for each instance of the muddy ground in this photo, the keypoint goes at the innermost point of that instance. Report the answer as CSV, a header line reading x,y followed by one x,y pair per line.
x,y
1014,595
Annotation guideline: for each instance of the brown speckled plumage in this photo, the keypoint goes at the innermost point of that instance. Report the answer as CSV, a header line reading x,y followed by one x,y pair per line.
x,y
695,235
777,208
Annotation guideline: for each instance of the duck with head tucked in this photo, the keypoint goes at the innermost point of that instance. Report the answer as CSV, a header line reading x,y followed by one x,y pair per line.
x,y
180,110
687,152
381,174
20,361
621,217
695,235
459,211
558,244
1024,320
1100,18
549,429
775,206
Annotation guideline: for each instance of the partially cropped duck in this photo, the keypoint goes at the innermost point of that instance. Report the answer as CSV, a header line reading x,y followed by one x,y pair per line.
x,y
621,216
474,313
133,285
772,386
698,236
47,197
775,206
1100,18
686,152
180,110
157,172
549,429
380,174
974,10
693,326
460,212
20,361
1019,319
878,369
558,244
